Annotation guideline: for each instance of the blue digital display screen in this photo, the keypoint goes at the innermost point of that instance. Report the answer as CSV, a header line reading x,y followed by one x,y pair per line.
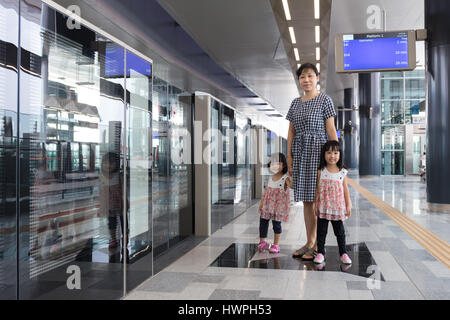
x,y
376,51
114,62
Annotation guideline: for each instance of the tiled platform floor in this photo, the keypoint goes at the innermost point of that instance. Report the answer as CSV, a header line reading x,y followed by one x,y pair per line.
x,y
408,270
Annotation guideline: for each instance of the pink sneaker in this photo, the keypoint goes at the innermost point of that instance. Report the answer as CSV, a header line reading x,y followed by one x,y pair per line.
x,y
262,246
274,249
320,258
345,259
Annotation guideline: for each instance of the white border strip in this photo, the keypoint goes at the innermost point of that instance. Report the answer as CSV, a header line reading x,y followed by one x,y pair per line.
x,y
60,8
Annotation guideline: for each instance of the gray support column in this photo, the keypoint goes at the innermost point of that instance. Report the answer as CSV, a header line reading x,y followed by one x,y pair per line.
x,y
350,130
202,198
437,13
370,125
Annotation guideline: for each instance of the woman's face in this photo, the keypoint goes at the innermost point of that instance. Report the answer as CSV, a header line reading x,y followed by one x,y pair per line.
x,y
276,167
308,80
332,156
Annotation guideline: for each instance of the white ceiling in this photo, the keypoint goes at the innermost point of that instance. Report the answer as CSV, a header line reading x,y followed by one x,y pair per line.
x,y
242,37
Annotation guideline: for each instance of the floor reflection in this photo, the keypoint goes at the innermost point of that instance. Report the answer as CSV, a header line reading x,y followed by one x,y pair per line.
x,y
246,255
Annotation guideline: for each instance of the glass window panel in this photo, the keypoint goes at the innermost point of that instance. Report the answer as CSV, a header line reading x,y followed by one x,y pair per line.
x,y
392,112
415,89
9,34
72,116
415,111
392,137
418,73
397,74
392,163
391,89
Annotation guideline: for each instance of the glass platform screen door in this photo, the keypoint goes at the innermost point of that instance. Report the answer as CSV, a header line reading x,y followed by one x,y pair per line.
x,y
139,169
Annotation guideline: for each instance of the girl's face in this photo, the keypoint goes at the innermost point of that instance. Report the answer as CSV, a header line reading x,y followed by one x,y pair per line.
x,y
308,80
332,156
108,166
276,167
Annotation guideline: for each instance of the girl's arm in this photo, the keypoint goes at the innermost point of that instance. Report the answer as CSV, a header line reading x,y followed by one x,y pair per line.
x,y
289,183
348,203
316,194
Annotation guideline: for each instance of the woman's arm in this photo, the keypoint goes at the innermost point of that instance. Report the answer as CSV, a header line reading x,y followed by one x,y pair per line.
x,y
291,135
348,203
331,129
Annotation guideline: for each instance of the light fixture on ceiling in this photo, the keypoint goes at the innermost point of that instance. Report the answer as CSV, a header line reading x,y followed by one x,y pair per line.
x,y
318,66
318,87
297,56
291,32
286,10
317,53
298,65
316,9
317,34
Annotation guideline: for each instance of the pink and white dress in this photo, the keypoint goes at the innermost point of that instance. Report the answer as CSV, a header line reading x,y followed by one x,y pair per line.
x,y
331,195
276,200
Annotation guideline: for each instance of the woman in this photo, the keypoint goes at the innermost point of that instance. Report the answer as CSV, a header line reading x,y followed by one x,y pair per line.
x,y
311,118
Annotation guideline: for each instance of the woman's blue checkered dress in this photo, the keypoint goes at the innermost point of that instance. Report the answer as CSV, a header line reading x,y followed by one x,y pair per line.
x,y
308,119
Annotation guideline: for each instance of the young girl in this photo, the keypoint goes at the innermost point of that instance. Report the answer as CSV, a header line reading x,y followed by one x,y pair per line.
x,y
332,200
274,204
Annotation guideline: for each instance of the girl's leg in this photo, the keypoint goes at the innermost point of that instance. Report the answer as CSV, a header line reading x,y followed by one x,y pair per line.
x,y
339,232
263,229
322,229
276,231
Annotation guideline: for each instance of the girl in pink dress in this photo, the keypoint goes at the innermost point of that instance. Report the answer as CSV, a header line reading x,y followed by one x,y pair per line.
x,y
332,200
274,204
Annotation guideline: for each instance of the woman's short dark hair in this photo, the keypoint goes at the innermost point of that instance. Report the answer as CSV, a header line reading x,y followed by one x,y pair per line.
x,y
307,65
280,158
334,146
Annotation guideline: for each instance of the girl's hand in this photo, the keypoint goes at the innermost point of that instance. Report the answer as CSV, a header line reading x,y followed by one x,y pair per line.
x,y
349,212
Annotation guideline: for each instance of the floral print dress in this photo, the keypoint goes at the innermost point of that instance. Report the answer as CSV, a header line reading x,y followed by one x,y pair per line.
x,y
275,200
331,201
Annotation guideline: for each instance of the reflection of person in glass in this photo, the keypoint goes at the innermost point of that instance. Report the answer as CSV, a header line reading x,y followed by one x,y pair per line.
x,y
111,195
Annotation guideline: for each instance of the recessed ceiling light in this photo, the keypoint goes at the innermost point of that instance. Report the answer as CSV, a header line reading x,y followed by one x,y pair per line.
x,y
316,9
286,10
318,67
297,56
317,53
291,32
298,65
317,34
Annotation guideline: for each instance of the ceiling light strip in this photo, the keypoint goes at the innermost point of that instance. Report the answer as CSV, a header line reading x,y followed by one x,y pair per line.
x,y
286,10
317,29
291,32
316,9
297,56
317,53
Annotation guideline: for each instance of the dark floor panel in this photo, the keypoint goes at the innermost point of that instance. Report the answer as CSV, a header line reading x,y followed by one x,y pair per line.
x,y
245,255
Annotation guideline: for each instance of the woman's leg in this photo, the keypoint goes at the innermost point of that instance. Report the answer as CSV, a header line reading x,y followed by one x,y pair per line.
x,y
311,227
